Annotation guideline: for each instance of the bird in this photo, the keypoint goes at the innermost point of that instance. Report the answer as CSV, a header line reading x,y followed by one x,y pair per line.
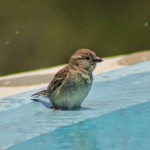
x,y
71,84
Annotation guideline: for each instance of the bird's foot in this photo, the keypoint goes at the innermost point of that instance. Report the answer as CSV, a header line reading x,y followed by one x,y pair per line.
x,y
55,108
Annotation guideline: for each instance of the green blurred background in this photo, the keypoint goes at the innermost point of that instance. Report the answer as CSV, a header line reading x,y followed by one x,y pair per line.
x,y
42,33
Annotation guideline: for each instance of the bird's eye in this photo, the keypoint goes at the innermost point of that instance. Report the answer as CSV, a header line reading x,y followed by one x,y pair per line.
x,y
87,58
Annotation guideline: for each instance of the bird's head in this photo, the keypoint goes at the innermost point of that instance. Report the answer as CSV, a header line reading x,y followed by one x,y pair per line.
x,y
84,59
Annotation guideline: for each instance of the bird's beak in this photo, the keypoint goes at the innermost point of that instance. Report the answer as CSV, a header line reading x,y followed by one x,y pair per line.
x,y
97,59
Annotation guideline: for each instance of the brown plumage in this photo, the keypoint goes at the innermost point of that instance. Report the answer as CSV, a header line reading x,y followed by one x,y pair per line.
x,y
72,83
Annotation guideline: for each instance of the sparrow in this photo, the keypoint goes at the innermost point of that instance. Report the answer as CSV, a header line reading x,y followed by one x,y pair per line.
x,y
71,84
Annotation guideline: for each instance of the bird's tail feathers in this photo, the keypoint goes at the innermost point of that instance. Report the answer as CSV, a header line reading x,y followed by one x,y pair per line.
x,y
41,93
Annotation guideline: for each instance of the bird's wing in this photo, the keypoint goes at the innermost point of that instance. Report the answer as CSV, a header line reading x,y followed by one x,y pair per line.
x,y
58,79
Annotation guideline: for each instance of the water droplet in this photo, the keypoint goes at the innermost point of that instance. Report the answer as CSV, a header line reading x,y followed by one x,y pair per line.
x,y
7,42
17,32
146,24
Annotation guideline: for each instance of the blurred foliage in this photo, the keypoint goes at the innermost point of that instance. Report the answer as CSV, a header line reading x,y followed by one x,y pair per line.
x,y
35,33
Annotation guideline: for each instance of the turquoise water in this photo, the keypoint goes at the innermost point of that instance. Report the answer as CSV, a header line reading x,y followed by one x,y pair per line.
x,y
115,115
119,130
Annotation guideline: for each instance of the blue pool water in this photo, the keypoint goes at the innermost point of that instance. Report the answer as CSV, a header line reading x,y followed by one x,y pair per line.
x,y
115,116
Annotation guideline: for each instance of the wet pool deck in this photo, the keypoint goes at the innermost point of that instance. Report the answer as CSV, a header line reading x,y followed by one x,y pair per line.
x,y
115,115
